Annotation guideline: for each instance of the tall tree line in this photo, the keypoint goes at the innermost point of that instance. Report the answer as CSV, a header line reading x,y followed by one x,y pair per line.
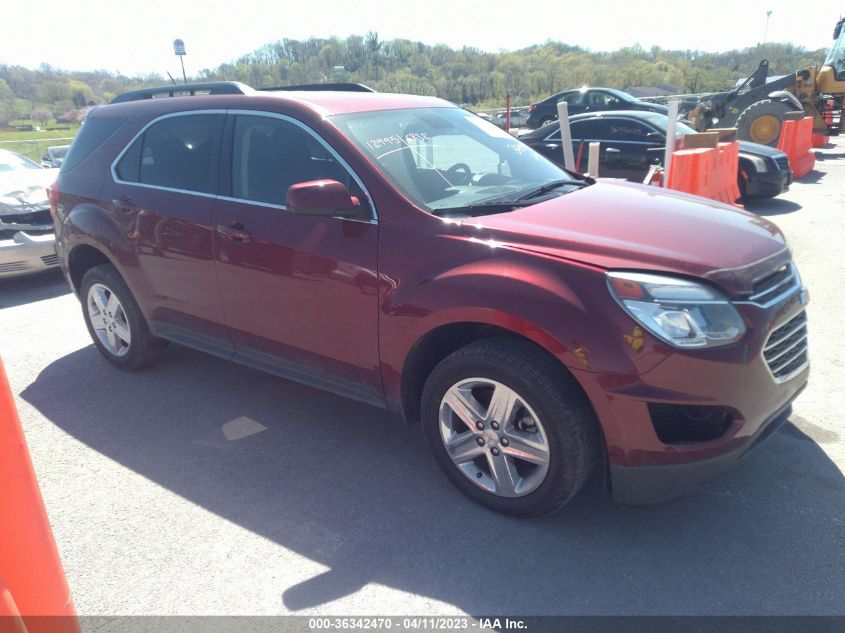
x,y
465,75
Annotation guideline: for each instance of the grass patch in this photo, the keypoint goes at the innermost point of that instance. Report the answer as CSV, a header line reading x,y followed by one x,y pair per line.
x,y
33,144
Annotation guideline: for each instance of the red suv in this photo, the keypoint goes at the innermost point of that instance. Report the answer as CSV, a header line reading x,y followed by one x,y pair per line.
x,y
404,252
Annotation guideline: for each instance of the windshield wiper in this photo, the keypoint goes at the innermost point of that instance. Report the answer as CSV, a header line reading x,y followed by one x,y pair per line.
x,y
484,207
550,186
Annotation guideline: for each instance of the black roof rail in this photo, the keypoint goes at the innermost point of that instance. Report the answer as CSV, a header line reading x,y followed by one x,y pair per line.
x,y
179,90
339,87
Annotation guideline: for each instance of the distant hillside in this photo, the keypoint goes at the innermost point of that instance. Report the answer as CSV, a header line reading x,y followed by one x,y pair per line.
x,y
466,75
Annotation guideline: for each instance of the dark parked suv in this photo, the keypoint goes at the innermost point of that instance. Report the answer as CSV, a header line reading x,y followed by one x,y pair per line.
x,y
403,252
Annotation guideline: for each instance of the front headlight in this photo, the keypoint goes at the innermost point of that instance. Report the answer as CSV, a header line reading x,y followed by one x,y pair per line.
x,y
759,163
683,313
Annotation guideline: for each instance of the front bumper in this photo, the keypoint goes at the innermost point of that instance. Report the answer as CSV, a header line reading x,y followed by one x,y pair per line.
x,y
768,185
650,462
26,254
655,484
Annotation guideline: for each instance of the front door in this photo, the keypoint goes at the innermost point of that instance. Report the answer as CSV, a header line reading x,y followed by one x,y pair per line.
x,y
299,293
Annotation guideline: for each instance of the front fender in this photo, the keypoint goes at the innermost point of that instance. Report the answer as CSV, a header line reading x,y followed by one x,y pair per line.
x,y
564,308
786,97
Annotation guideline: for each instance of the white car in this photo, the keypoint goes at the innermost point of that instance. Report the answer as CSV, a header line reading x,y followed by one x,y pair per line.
x,y
53,156
27,242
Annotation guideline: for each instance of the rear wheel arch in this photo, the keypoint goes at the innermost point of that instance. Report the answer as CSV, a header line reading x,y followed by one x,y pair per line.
x,y
81,259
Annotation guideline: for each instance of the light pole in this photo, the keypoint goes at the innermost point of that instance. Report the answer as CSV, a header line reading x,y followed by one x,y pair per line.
x,y
766,30
179,49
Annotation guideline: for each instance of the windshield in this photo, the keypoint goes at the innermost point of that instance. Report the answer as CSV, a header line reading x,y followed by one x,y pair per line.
x,y
9,161
836,55
448,158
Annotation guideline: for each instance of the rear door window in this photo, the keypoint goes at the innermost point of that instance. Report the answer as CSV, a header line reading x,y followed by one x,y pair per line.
x,y
627,130
592,129
178,152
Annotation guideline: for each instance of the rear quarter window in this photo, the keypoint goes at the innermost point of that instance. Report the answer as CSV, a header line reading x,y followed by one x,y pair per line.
x,y
93,132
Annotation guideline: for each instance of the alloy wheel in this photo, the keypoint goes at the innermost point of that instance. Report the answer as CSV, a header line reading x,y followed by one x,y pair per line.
x,y
494,437
108,320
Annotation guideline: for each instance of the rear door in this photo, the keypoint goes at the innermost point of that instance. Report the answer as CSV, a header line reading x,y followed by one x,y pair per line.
x,y
630,138
575,103
624,145
299,293
600,101
163,195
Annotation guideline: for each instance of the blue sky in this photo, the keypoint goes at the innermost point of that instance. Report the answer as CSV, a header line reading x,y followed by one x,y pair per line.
x,y
133,38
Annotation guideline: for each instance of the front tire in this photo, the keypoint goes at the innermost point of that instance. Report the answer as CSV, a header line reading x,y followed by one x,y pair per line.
x,y
115,321
761,122
509,427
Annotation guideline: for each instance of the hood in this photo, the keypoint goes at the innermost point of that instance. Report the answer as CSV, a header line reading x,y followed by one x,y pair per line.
x,y
619,225
755,149
24,190
656,107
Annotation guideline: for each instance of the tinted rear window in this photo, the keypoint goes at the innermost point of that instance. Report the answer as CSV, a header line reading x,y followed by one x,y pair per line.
x,y
93,132
178,152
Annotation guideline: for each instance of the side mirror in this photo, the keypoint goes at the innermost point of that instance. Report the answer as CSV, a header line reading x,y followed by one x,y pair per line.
x,y
655,137
326,198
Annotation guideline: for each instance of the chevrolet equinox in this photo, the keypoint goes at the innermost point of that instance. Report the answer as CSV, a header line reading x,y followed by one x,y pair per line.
x,y
404,252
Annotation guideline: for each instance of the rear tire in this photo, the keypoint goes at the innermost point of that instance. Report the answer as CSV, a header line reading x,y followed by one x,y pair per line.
x,y
546,121
526,441
761,122
115,322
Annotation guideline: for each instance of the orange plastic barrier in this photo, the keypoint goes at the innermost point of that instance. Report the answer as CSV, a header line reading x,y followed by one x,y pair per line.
x,y
820,140
708,172
35,583
10,618
796,140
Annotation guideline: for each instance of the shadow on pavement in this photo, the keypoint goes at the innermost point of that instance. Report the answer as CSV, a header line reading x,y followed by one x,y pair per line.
x,y
829,155
770,206
353,488
813,177
21,290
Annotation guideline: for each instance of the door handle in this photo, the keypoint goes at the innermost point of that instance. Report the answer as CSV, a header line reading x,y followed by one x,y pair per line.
x,y
234,231
124,203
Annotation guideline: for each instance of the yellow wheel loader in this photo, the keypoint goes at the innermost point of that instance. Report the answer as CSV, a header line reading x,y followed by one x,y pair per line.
x,y
756,107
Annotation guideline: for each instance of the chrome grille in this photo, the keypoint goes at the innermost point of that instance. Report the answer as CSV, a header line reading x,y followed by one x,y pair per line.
x,y
779,283
782,162
786,352
50,260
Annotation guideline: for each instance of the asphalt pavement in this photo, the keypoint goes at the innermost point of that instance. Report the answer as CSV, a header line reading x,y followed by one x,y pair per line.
x,y
202,487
